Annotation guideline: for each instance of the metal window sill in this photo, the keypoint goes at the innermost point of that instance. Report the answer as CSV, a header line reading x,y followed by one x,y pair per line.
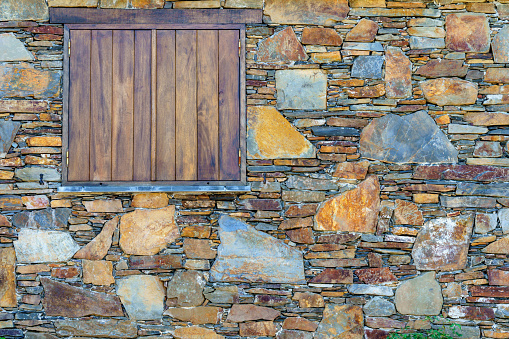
x,y
134,189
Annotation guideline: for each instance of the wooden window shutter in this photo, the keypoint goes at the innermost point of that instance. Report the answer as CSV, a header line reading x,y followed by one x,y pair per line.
x,y
154,105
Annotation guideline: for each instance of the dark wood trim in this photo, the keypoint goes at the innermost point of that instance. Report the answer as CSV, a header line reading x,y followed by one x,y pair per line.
x,y
155,26
243,106
65,103
154,16
157,183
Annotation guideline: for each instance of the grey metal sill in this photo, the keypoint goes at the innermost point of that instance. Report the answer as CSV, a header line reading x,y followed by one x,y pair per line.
x,y
180,189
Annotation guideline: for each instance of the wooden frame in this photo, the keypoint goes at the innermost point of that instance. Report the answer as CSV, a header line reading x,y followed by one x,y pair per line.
x,y
173,186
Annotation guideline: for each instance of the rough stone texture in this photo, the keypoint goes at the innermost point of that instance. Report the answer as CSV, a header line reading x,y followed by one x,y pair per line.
x,y
412,138
498,277
500,46
142,296
196,315
301,89
497,75
21,80
195,332
34,174
7,277
364,31
222,294
99,246
368,67
99,328
249,255
503,218
12,49
282,47
8,130
35,246
103,205
198,249
379,307
461,172
333,276
442,244
98,272
437,68
65,300
485,222
313,12
271,136
352,170
375,275
298,323
186,289
47,219
449,91
170,261
353,211
245,312
419,296
257,329
23,10
425,43
398,74
146,232
467,32
321,36
150,200
139,4
407,213
487,149
341,321
73,3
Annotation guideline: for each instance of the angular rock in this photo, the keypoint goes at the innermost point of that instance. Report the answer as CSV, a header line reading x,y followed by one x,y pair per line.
x,y
364,31
467,32
308,300
407,213
7,277
375,275
165,262
301,235
186,289
198,249
353,211
68,301
498,277
298,323
312,12
98,272
12,49
305,183
222,294
104,206
341,321
437,68
35,246
426,43
301,89
488,149
326,57
35,202
196,315
413,138
257,329
500,46
97,328
99,246
245,312
333,276
36,10
282,47
497,75
498,189
271,136
150,200
410,298
485,222
262,204
352,170
428,32
34,174
368,67
398,74
47,219
8,130
249,255
146,232
449,91
321,36
22,80
461,172
195,332
142,296
430,252
379,307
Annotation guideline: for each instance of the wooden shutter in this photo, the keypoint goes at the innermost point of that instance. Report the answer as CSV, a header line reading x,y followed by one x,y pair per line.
x,y
149,105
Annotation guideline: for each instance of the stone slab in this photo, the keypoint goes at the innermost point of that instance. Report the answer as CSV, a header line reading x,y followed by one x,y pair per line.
x,y
98,328
500,46
301,89
341,321
142,296
398,74
364,31
12,49
19,10
449,91
7,277
467,32
36,246
410,298
22,80
282,47
312,12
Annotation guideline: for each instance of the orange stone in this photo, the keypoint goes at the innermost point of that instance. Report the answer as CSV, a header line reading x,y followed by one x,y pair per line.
x,y
44,141
425,198
35,202
257,329
449,91
7,277
150,200
352,170
6,175
99,246
327,57
312,12
307,300
467,32
366,92
298,323
407,213
31,160
98,272
364,31
497,75
11,162
368,3
488,118
195,332
321,36
501,246
398,74
282,47
196,315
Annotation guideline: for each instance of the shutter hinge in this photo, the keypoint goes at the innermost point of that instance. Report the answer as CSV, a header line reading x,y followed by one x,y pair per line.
x,y
67,158
240,48
69,48
240,157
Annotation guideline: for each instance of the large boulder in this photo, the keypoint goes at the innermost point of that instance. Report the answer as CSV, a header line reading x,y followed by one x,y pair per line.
x,y
419,296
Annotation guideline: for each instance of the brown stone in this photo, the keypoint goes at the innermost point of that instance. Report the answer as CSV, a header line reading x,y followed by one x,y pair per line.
x,y
198,249
338,238
73,302
282,47
437,68
103,205
352,170
364,31
497,75
296,223
366,92
347,122
44,141
298,323
7,277
353,211
313,12
150,200
186,289
11,162
23,106
321,36
73,3
489,291
307,300
449,91
166,262
96,328
379,322
24,79
333,276
375,275
140,4
501,246
467,32
195,332
196,315
461,172
196,232
301,210
99,246
29,269
326,57
407,213
367,3
246,312
342,321
398,74
146,232
488,118
498,277
5,222
257,329
472,312
301,235
98,272
34,202
65,272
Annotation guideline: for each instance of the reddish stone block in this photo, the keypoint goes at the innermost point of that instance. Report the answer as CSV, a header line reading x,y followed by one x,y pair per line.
x,y
301,210
472,313
498,277
489,291
301,235
337,238
170,261
65,272
467,32
262,204
461,172
333,276
321,36
375,275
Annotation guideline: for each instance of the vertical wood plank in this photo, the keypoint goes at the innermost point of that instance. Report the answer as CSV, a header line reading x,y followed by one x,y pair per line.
x,y
79,107
100,101
153,108
165,105
186,133
207,104
229,105
122,110
142,105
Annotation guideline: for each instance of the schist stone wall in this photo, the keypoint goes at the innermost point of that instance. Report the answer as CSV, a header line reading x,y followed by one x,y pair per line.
x,y
379,171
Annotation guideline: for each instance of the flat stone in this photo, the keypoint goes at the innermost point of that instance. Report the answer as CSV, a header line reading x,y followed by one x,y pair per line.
x,y
488,149
321,36
147,262
460,202
246,312
99,246
98,328
437,68
363,46
196,332
379,307
103,206
430,252
449,91
282,47
271,136
146,232
73,3
500,46
341,321
335,131
36,10
34,174
503,218
370,290
186,289
427,32
498,189
243,4
375,275
426,43
12,49
471,313
497,75
368,67
140,4
142,296
333,276
301,235
410,298
485,222
367,3
298,323
498,277
34,202
308,300
257,329
37,335
222,294
312,12
46,219
293,334
352,170
23,106
198,249
98,272
364,31
413,138
467,32
398,74
22,80
326,57
366,92
461,173
407,213
301,89
303,183
150,200
68,301
8,130
246,254
424,22
395,12
35,246
196,315
353,211
7,277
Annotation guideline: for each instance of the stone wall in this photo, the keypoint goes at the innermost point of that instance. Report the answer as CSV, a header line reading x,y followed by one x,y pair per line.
x,y
379,168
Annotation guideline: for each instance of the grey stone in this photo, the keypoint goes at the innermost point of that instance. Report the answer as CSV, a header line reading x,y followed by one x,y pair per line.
x,y
222,294
335,131
266,187
8,130
364,46
368,67
303,196
35,246
38,335
503,217
485,222
19,10
34,174
294,334
419,296
413,138
142,296
500,46
46,219
499,189
303,183
12,49
465,332
379,307
246,254
456,202
341,321
268,168
425,22
186,289
466,129
301,89
392,12
97,328
417,42
370,290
